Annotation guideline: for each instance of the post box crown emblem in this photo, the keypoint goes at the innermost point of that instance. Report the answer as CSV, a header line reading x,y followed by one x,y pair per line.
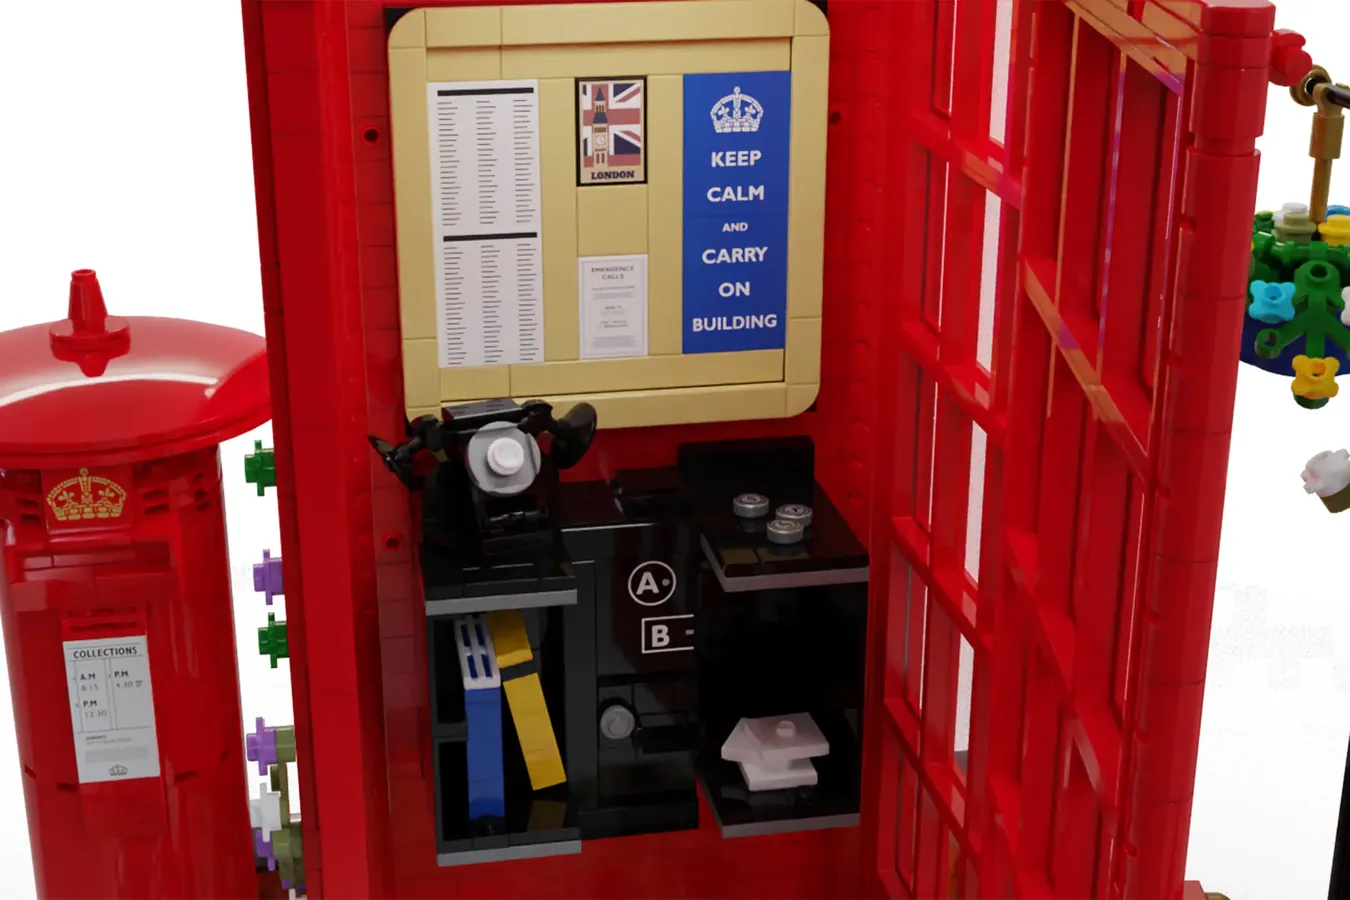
x,y
86,497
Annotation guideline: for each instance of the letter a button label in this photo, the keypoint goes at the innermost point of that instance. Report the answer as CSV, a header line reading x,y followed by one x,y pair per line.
x,y
651,583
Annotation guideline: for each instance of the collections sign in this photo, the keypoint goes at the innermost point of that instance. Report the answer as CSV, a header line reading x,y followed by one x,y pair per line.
x,y
737,142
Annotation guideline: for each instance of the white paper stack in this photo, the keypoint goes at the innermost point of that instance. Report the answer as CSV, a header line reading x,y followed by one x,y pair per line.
x,y
776,752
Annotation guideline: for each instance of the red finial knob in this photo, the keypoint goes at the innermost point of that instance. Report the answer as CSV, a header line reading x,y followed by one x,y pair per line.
x,y
1289,62
89,336
87,313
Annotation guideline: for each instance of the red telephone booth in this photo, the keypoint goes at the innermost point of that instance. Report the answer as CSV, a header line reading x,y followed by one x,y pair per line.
x,y
1081,374
116,598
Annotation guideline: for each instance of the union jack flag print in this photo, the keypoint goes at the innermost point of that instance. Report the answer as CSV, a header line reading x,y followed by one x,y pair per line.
x,y
612,114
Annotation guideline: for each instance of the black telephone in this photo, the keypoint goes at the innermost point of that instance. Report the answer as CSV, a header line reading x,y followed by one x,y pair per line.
x,y
485,492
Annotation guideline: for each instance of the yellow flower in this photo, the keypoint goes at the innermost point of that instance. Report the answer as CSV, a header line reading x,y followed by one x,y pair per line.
x,y
1315,379
1336,231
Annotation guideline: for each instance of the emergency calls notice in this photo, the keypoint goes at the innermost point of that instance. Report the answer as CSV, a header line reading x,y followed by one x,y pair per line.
x,y
613,292
112,709
485,205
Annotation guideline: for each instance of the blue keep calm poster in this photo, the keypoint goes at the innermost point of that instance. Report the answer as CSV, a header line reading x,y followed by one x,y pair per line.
x,y
737,145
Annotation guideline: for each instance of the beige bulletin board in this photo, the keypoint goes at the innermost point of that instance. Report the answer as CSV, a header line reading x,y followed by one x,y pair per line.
x,y
595,207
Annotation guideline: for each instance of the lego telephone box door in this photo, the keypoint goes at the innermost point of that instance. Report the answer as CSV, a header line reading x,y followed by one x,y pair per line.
x,y
1077,182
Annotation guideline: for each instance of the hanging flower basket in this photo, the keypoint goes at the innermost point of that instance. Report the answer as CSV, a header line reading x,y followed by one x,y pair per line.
x,y
1297,323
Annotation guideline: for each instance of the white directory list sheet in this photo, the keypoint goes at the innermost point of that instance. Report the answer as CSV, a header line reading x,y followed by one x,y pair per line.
x,y
485,208
613,291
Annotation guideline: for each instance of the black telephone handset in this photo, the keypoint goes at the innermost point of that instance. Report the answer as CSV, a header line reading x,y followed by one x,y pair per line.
x,y
450,434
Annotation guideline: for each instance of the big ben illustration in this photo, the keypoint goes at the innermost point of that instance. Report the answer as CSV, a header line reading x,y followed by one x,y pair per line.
x,y
600,130
611,115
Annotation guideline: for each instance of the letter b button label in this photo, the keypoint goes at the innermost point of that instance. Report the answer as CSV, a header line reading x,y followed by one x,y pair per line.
x,y
668,634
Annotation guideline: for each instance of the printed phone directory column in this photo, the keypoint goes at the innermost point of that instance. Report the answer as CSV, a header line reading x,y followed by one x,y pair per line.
x,y
485,194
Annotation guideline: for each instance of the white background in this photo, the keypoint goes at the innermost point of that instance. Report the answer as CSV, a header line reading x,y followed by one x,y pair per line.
x,y
126,150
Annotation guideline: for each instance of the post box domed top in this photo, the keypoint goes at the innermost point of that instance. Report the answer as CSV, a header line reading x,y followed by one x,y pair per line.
x,y
100,389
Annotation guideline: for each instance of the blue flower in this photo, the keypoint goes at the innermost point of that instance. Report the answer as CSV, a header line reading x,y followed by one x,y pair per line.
x,y
1272,304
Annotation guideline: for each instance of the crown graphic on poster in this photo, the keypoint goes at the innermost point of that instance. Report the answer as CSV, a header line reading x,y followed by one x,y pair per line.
x,y
737,113
86,497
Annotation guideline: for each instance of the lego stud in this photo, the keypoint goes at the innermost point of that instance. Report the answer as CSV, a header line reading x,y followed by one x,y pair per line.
x,y
751,506
617,721
783,532
505,456
795,512
786,730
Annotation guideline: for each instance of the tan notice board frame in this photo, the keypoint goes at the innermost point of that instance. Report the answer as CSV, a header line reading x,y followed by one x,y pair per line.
x,y
556,45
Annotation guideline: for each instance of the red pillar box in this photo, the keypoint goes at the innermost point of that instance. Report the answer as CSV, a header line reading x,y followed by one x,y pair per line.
x,y
116,598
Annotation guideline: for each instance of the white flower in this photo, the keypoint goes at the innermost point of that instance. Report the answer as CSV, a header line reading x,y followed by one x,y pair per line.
x,y
1327,473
